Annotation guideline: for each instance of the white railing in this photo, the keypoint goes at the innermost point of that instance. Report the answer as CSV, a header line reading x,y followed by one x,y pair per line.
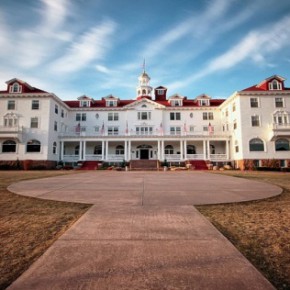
x,y
112,157
172,157
218,157
71,158
93,157
195,156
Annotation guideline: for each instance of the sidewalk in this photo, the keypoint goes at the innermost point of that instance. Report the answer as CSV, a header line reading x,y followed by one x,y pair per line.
x,y
143,233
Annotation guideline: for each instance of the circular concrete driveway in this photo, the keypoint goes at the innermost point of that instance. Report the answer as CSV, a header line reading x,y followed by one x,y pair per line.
x,y
146,188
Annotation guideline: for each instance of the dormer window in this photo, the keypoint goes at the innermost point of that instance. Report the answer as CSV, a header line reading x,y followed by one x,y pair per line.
x,y
176,103
203,102
85,103
15,88
160,92
275,85
111,103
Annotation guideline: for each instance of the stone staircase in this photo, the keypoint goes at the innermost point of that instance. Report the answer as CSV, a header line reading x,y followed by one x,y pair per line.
x,y
143,165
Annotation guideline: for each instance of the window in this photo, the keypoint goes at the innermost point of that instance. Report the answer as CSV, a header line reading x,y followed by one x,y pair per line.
x,y
113,131
144,115
56,109
160,92
275,85
33,146
77,150
113,116
191,128
81,116
176,103
236,146
97,129
203,102
85,103
234,107
35,105
279,102
15,88
168,149
282,145
55,126
54,147
175,130
144,130
254,102
191,149
62,113
10,120
98,150
281,117
175,116
255,121
207,116
34,122
111,103
256,144
11,105
120,150
235,124
9,146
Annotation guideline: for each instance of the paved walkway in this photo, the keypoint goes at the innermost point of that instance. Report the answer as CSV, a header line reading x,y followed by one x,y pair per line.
x,y
143,233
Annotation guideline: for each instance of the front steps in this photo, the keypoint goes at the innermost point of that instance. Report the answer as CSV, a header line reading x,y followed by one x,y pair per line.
x,y
89,165
198,165
144,165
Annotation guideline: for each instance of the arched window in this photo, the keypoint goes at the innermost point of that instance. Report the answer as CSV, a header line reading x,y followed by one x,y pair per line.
x,y
15,88
275,85
169,149
143,92
9,146
282,145
256,144
54,147
191,149
98,150
33,146
120,150
10,120
77,150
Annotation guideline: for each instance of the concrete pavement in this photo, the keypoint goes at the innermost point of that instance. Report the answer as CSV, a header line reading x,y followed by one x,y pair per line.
x,y
143,233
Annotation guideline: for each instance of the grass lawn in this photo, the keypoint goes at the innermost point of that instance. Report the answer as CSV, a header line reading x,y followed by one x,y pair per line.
x,y
261,229
28,226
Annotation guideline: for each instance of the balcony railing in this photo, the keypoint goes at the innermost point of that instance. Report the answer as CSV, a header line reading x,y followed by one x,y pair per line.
x,y
11,132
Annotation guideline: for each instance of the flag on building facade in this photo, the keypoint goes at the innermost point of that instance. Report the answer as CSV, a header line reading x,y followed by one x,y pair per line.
x,y
78,128
127,129
210,128
103,129
161,129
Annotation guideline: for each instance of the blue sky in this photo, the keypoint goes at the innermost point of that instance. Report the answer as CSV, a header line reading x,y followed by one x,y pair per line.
x,y
97,47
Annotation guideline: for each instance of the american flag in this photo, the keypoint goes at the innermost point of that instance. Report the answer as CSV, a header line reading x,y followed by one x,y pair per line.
x,y
161,129
78,128
103,129
184,127
127,130
210,128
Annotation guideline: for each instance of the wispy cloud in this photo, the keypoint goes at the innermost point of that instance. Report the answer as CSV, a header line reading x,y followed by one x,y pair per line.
x,y
254,46
92,46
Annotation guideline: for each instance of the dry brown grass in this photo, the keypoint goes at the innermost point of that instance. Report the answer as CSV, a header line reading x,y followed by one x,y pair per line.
x,y
260,229
28,226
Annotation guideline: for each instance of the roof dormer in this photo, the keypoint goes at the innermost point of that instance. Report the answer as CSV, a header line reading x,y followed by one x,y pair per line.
x,y
85,101
111,101
160,93
275,85
176,100
203,100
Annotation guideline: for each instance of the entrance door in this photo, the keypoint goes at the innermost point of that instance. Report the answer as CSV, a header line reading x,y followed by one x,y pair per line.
x,y
144,153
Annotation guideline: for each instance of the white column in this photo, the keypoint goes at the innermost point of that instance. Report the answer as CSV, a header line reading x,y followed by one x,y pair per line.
x,y
162,150
103,150
107,149
181,150
129,150
80,150
85,149
158,150
185,149
227,149
126,151
208,149
204,149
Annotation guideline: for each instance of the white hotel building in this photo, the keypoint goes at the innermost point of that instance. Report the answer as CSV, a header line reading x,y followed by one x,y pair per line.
x,y
250,128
